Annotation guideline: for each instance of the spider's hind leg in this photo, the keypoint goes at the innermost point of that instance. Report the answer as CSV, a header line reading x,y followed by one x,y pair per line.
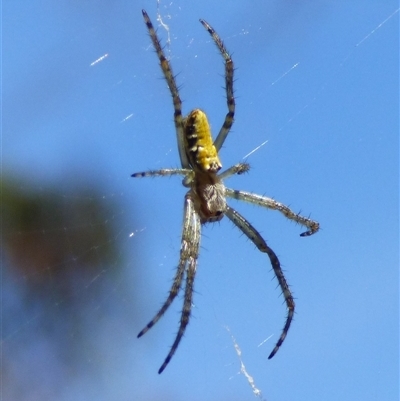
x,y
238,169
173,88
165,172
230,99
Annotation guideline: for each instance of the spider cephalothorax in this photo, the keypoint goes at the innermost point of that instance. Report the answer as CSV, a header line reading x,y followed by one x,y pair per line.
x,y
205,202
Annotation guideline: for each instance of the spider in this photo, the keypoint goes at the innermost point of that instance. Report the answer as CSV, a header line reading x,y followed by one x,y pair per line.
x,y
205,201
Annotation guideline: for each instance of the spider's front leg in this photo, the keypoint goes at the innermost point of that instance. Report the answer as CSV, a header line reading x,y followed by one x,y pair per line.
x,y
187,264
188,260
312,225
260,243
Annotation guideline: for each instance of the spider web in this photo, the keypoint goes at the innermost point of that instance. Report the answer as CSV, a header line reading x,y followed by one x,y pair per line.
x,y
88,253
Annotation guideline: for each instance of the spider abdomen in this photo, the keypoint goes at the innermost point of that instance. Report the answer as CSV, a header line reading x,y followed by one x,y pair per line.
x,y
200,148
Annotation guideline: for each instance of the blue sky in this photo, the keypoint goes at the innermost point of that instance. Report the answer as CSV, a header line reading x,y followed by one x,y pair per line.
x,y
319,82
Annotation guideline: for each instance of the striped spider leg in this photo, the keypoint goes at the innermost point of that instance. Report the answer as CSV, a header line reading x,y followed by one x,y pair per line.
x,y
205,201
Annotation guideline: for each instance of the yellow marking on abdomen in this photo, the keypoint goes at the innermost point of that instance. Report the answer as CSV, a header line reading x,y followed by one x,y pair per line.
x,y
199,143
